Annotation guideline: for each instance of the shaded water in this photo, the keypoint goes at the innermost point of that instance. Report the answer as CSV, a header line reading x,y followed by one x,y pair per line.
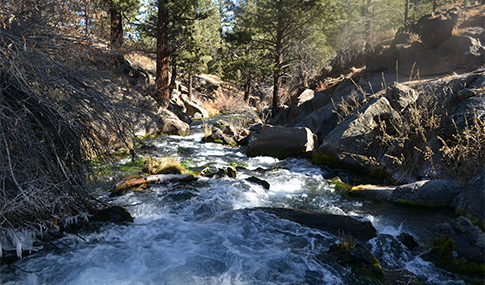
x,y
208,232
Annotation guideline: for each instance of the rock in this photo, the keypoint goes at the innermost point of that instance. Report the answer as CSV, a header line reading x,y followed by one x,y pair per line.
x,y
218,136
113,214
170,124
435,29
472,199
344,145
358,257
258,181
400,96
321,122
307,102
360,229
379,193
282,142
193,108
430,193
407,240
463,116
454,54
228,171
460,248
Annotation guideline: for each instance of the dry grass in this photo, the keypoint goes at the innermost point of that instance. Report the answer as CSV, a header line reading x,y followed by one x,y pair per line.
x,y
464,155
165,165
57,109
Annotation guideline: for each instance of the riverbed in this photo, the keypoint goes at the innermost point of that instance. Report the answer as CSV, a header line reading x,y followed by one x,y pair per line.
x,y
212,231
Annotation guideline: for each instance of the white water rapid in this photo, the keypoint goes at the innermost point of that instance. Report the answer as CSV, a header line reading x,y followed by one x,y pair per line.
x,y
207,232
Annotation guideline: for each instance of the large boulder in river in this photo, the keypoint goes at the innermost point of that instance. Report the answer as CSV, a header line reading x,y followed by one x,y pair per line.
x,y
321,121
428,193
472,199
343,146
360,229
282,142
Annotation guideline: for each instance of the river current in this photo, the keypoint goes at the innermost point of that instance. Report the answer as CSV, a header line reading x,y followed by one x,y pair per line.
x,y
210,232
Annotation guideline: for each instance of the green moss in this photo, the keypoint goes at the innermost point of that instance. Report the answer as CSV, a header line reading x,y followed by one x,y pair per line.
x,y
442,256
236,164
422,204
166,165
325,159
475,221
219,141
340,185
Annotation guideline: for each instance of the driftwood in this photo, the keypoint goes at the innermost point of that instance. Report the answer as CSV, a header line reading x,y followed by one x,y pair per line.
x,y
157,178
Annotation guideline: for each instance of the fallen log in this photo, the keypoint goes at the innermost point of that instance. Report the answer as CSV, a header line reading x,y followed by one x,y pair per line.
x,y
121,186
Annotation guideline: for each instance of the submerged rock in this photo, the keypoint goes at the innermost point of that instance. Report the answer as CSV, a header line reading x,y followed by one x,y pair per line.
x,y
113,214
358,228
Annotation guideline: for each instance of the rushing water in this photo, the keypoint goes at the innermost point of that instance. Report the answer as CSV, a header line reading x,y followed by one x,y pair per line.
x,y
206,233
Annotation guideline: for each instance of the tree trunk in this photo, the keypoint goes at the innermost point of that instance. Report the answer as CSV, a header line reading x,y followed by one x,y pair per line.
x,y
87,20
116,27
247,89
406,12
162,75
278,64
434,6
190,86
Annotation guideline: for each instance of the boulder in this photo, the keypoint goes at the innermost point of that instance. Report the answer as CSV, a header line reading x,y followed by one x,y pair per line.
x,y
193,108
429,193
260,182
460,248
113,214
372,192
343,146
282,142
435,29
359,229
454,54
472,199
400,96
170,124
307,102
321,121
464,114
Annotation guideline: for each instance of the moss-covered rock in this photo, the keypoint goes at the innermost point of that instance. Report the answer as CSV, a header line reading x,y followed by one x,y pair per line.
x,y
166,165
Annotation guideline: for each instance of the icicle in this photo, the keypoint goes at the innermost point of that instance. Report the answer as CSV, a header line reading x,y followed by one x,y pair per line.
x,y
18,246
1,249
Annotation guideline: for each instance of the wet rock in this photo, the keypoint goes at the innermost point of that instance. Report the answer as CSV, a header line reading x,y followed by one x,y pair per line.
x,y
407,240
400,96
113,214
359,228
261,182
358,257
379,193
430,193
460,249
472,199
282,142
228,171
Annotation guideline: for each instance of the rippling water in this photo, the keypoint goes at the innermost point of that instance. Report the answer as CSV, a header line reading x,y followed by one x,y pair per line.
x,y
208,232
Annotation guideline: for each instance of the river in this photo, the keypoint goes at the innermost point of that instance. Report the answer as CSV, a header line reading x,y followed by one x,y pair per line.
x,y
206,233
